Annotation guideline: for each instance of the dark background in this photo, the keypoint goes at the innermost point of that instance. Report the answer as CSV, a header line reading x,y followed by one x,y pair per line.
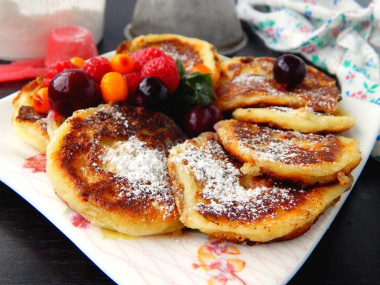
x,y
33,251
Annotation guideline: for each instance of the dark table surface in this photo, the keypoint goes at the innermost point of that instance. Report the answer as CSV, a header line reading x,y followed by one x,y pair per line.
x,y
33,251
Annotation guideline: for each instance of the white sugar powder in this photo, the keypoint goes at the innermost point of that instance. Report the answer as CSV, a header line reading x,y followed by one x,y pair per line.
x,y
221,181
247,79
144,168
265,146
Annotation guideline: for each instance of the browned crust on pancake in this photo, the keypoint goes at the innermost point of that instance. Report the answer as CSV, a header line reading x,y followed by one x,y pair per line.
x,y
29,114
317,90
282,210
155,129
27,123
169,46
75,157
190,51
26,112
124,47
289,155
303,120
325,148
292,235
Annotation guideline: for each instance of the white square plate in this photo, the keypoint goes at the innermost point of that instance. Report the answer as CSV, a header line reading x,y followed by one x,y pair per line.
x,y
190,258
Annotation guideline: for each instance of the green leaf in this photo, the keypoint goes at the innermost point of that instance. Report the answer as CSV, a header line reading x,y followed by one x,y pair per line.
x,y
181,68
195,88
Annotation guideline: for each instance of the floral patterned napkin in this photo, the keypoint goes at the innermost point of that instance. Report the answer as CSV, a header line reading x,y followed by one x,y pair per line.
x,y
340,37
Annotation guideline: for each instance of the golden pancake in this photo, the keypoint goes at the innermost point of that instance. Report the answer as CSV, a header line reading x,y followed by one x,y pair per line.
x,y
31,126
248,82
289,155
215,197
303,120
109,165
27,123
191,51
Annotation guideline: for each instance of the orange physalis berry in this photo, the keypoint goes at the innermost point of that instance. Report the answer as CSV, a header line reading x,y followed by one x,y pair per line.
x,y
121,63
78,61
40,100
204,69
200,68
114,87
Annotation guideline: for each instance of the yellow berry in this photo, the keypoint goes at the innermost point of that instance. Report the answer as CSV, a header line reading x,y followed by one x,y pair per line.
x,y
114,87
78,61
121,63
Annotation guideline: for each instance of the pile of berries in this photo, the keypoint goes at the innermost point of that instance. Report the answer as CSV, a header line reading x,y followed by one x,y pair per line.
x,y
147,78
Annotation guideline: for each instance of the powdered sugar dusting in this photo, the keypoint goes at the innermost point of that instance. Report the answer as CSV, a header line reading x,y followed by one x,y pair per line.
x,y
182,51
255,82
259,84
144,168
247,79
267,144
174,54
222,189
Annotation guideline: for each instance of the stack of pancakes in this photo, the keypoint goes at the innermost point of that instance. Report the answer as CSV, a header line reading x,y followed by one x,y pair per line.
x,y
265,175
268,173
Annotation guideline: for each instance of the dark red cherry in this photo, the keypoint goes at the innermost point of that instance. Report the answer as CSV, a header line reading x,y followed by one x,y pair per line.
x,y
201,119
150,93
73,89
289,70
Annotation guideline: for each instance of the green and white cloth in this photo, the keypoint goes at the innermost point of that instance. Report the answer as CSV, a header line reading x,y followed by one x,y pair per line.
x,y
340,37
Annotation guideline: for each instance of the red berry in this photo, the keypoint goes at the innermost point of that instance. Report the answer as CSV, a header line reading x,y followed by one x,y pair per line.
x,y
133,80
71,90
201,119
289,70
96,67
142,56
165,69
56,68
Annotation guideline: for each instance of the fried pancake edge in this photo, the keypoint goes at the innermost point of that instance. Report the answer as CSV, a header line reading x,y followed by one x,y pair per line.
x,y
27,123
288,224
346,157
267,92
302,120
205,53
90,206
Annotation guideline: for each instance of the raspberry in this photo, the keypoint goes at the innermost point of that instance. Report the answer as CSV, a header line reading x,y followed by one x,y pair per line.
x,y
96,67
56,68
165,69
133,80
142,56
